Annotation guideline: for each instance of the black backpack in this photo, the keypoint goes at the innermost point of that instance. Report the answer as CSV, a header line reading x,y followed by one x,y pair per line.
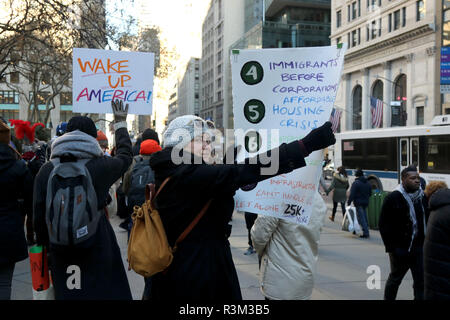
x,y
141,175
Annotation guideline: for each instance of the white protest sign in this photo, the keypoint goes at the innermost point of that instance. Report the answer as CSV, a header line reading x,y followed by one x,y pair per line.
x,y
100,76
280,95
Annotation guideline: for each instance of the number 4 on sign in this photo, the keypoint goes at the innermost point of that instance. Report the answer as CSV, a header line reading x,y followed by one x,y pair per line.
x,y
252,72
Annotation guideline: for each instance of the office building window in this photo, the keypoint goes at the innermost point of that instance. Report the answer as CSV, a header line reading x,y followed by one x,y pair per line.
x,y
219,69
420,10
66,98
390,22
419,116
359,8
14,77
403,16
367,32
354,38
374,29
348,13
338,19
9,97
354,10
396,19
348,40
379,27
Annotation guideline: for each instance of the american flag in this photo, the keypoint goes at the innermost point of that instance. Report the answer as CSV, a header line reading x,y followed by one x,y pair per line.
x,y
335,118
376,107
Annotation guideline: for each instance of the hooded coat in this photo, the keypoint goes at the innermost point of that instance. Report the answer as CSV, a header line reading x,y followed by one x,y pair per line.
x,y
15,183
203,268
340,185
360,192
288,254
437,248
101,266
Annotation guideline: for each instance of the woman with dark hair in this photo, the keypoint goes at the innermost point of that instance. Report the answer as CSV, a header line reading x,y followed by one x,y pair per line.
x,y
340,185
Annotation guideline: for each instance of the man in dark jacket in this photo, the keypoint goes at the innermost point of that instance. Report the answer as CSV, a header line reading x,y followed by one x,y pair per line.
x,y
360,193
101,266
203,268
437,248
402,228
15,184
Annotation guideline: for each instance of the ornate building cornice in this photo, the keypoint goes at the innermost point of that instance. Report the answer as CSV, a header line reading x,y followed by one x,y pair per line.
x,y
394,41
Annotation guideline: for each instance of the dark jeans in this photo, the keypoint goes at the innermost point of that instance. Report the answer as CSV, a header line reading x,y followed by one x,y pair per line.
x,y
335,205
362,219
249,221
6,275
401,261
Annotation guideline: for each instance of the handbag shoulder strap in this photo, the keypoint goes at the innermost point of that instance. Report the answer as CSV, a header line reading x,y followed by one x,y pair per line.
x,y
150,195
150,191
192,225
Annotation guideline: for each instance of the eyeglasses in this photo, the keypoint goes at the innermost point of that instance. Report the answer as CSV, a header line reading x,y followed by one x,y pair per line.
x,y
200,122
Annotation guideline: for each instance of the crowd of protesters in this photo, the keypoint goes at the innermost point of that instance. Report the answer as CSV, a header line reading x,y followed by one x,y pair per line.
x,y
202,267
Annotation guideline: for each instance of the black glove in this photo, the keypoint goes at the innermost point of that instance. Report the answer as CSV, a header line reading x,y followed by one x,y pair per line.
x,y
319,138
120,113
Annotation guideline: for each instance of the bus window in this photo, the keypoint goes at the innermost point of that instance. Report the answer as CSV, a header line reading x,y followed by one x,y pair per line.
x,y
404,152
370,154
415,151
436,153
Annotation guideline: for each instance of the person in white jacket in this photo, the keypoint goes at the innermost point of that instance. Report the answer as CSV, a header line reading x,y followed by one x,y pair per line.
x,y
288,254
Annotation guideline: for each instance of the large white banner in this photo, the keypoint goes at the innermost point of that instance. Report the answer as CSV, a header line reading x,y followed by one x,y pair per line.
x,y
280,95
100,76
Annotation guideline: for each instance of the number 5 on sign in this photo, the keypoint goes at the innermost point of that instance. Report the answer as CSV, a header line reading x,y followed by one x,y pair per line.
x,y
254,111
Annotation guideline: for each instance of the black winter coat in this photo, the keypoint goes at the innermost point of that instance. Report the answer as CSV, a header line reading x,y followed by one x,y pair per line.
x,y
395,224
203,267
360,192
15,183
437,248
102,271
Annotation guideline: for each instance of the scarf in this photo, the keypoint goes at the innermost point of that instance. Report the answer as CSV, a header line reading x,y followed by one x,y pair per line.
x,y
78,144
411,198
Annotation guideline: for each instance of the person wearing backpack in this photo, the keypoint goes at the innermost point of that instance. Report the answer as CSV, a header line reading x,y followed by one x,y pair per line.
x,y
15,184
139,175
202,268
135,180
69,208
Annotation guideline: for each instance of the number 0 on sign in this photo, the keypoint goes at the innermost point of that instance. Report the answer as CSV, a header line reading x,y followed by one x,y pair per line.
x,y
252,73
254,111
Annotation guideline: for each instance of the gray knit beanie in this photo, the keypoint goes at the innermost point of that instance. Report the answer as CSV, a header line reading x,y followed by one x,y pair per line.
x,y
183,130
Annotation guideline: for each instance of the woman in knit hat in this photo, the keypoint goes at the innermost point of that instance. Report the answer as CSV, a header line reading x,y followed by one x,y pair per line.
x,y
15,183
203,268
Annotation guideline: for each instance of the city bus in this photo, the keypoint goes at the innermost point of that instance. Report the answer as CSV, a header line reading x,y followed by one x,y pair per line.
x,y
383,153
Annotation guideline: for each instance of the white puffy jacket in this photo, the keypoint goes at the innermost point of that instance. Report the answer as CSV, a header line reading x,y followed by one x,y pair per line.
x,y
288,254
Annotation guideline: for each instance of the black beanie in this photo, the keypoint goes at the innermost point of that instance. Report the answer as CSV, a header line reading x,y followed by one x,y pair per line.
x,y
150,134
359,173
84,124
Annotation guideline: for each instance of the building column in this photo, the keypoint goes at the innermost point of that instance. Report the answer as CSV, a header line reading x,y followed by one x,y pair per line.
x,y
348,113
365,104
387,94
409,102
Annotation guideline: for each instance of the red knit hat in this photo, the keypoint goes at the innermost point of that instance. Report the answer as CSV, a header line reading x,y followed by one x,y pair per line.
x,y
149,146
101,136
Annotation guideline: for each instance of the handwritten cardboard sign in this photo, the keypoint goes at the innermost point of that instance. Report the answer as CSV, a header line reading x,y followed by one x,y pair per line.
x,y
280,95
100,76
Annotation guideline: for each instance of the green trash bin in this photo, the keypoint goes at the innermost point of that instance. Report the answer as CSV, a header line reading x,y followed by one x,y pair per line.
x,y
374,209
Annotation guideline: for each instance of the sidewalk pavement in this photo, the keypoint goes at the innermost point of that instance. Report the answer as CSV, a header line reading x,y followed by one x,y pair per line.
x,y
341,268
